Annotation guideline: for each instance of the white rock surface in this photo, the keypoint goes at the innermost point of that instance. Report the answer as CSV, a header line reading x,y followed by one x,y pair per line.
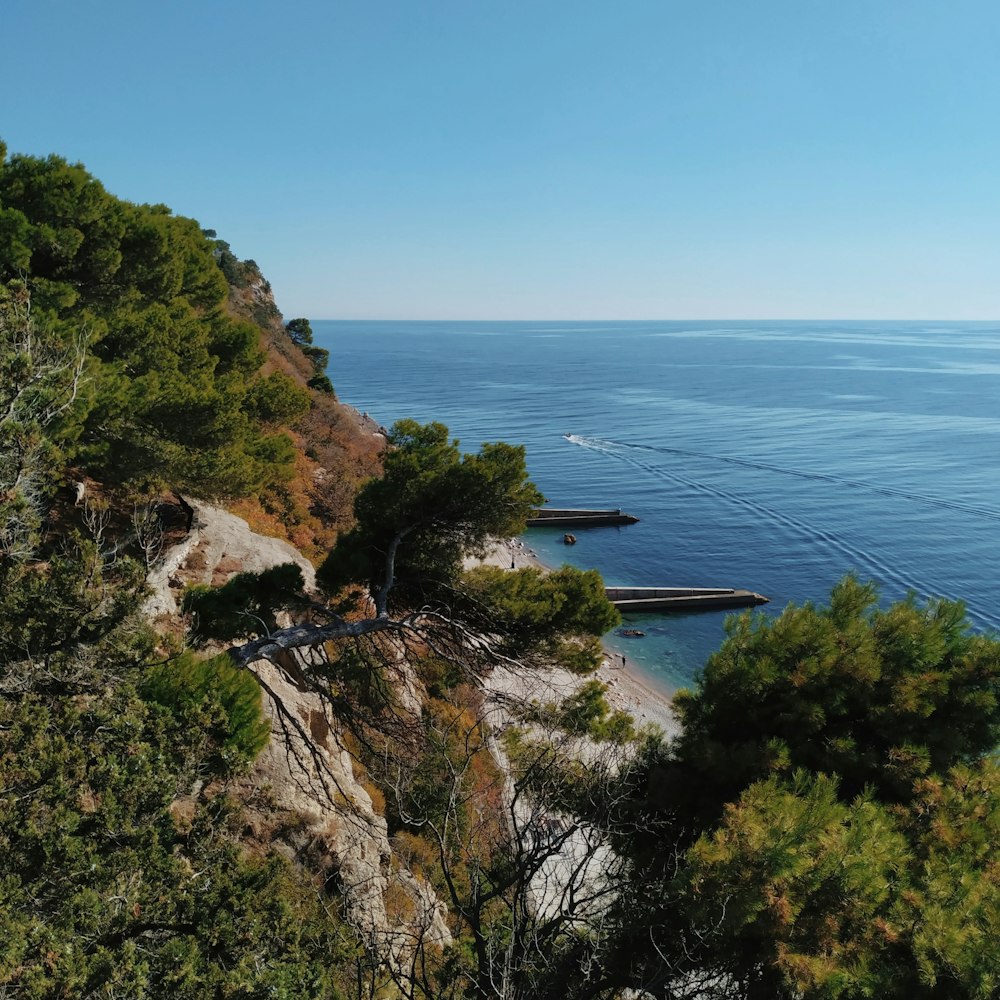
x,y
218,546
313,808
310,775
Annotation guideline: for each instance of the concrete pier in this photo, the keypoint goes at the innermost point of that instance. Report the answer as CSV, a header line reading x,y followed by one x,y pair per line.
x,y
559,517
667,599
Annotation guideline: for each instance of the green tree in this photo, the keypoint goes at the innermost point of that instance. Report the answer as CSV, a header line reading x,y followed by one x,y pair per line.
x,y
819,828
586,712
797,893
492,859
245,605
430,507
801,891
319,356
218,690
111,885
120,873
321,383
299,331
41,369
950,918
276,399
878,697
62,228
553,613
170,392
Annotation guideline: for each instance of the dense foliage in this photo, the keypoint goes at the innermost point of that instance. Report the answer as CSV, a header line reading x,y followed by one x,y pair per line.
x,y
562,614
300,333
232,697
880,698
172,391
112,886
40,375
823,825
431,506
245,605
122,871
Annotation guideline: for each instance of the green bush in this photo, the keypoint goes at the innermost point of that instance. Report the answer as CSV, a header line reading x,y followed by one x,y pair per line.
x,y
319,356
321,383
187,682
586,712
169,393
276,399
245,606
299,331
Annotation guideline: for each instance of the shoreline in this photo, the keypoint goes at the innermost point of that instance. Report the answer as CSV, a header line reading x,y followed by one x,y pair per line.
x,y
628,688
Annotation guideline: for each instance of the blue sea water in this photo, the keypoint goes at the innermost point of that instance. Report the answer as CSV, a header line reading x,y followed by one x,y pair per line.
x,y
775,456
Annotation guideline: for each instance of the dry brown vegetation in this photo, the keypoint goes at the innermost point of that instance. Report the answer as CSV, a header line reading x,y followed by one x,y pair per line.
x,y
337,447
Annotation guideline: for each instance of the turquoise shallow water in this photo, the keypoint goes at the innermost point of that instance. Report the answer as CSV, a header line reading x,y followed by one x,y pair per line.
x,y
774,456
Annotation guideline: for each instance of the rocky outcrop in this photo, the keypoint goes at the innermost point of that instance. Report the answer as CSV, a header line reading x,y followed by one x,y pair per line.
x,y
331,823
305,797
365,422
218,546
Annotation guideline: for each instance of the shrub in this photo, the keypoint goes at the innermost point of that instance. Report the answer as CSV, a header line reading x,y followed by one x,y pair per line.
x,y
276,399
186,682
246,605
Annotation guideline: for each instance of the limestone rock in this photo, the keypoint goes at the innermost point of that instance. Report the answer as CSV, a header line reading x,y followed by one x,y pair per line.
x,y
331,823
218,546
303,798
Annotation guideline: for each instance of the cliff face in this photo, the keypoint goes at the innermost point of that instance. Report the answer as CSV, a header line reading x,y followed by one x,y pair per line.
x,y
338,833
216,547
142,367
305,796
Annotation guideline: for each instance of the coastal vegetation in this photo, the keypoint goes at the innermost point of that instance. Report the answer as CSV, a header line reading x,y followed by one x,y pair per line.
x,y
823,825
824,822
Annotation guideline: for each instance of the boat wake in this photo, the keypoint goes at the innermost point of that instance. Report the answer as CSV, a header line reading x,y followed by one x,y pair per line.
x,y
863,562
989,513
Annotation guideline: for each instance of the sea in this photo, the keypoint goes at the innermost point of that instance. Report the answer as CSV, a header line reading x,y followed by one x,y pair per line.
x,y
774,456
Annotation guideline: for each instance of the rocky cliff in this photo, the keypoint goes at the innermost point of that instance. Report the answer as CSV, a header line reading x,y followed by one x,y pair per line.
x,y
306,796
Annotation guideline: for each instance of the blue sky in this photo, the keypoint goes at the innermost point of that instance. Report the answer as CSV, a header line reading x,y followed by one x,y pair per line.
x,y
535,159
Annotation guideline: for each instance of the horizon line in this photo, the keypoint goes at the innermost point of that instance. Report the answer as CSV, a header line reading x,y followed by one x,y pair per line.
x,y
655,319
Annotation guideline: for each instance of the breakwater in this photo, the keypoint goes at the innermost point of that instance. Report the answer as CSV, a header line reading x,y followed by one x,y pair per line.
x,y
579,517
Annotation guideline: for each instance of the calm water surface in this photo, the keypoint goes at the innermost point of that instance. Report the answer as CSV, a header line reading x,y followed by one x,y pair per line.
x,y
773,456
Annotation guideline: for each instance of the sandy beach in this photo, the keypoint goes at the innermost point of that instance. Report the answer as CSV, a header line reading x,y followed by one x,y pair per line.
x,y
628,689
507,553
